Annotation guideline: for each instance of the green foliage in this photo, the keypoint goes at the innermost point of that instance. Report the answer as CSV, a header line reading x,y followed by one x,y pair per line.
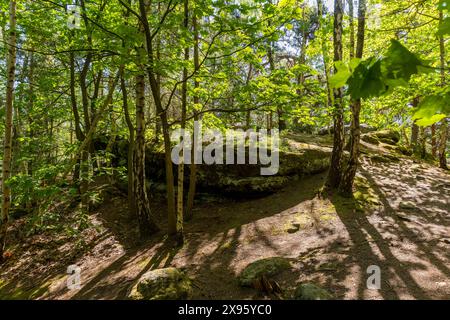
x,y
432,109
374,77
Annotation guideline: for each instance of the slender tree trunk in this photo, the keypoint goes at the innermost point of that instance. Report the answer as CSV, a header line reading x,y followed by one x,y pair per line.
x,y
154,85
352,29
7,155
414,136
444,124
302,58
433,141
443,144
73,100
146,224
29,164
281,121
423,141
348,177
324,53
180,203
130,156
335,173
193,166
248,115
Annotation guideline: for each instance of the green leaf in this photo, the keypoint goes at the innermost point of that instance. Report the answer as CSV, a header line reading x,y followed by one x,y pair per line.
x,y
444,5
400,64
432,109
426,122
444,27
339,79
367,80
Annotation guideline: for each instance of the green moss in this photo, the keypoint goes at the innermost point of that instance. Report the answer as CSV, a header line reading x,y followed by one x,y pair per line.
x,y
264,267
162,284
309,291
11,292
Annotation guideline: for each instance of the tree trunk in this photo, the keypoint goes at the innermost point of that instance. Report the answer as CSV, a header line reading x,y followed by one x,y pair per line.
x,y
433,141
414,135
423,141
444,124
146,224
335,173
352,29
154,85
130,156
193,166
348,177
247,81
324,52
443,145
281,121
180,203
7,155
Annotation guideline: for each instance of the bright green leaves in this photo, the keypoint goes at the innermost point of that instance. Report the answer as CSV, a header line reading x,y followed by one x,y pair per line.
x,y
343,73
367,80
375,76
444,27
400,64
432,109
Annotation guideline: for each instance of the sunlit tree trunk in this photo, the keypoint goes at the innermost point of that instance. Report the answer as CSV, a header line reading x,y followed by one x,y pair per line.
x,y
444,124
7,146
348,177
334,175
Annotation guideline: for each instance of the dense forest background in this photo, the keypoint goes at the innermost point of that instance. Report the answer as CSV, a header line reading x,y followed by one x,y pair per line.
x,y
93,89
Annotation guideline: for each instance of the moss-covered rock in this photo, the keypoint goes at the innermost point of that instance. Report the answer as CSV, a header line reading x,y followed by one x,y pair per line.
x,y
252,185
265,267
162,284
370,139
391,137
309,291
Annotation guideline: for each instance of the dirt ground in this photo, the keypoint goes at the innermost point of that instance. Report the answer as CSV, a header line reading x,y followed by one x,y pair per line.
x,y
398,220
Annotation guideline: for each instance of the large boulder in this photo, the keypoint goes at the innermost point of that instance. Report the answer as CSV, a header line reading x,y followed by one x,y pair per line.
x,y
162,284
364,128
310,291
265,267
390,137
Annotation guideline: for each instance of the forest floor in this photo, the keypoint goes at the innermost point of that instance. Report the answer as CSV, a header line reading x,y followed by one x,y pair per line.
x,y
399,220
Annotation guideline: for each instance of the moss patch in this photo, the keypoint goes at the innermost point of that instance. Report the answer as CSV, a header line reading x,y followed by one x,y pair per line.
x,y
265,267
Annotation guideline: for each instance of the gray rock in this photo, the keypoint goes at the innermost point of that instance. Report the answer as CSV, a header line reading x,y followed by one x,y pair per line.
x,y
309,291
265,267
162,284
